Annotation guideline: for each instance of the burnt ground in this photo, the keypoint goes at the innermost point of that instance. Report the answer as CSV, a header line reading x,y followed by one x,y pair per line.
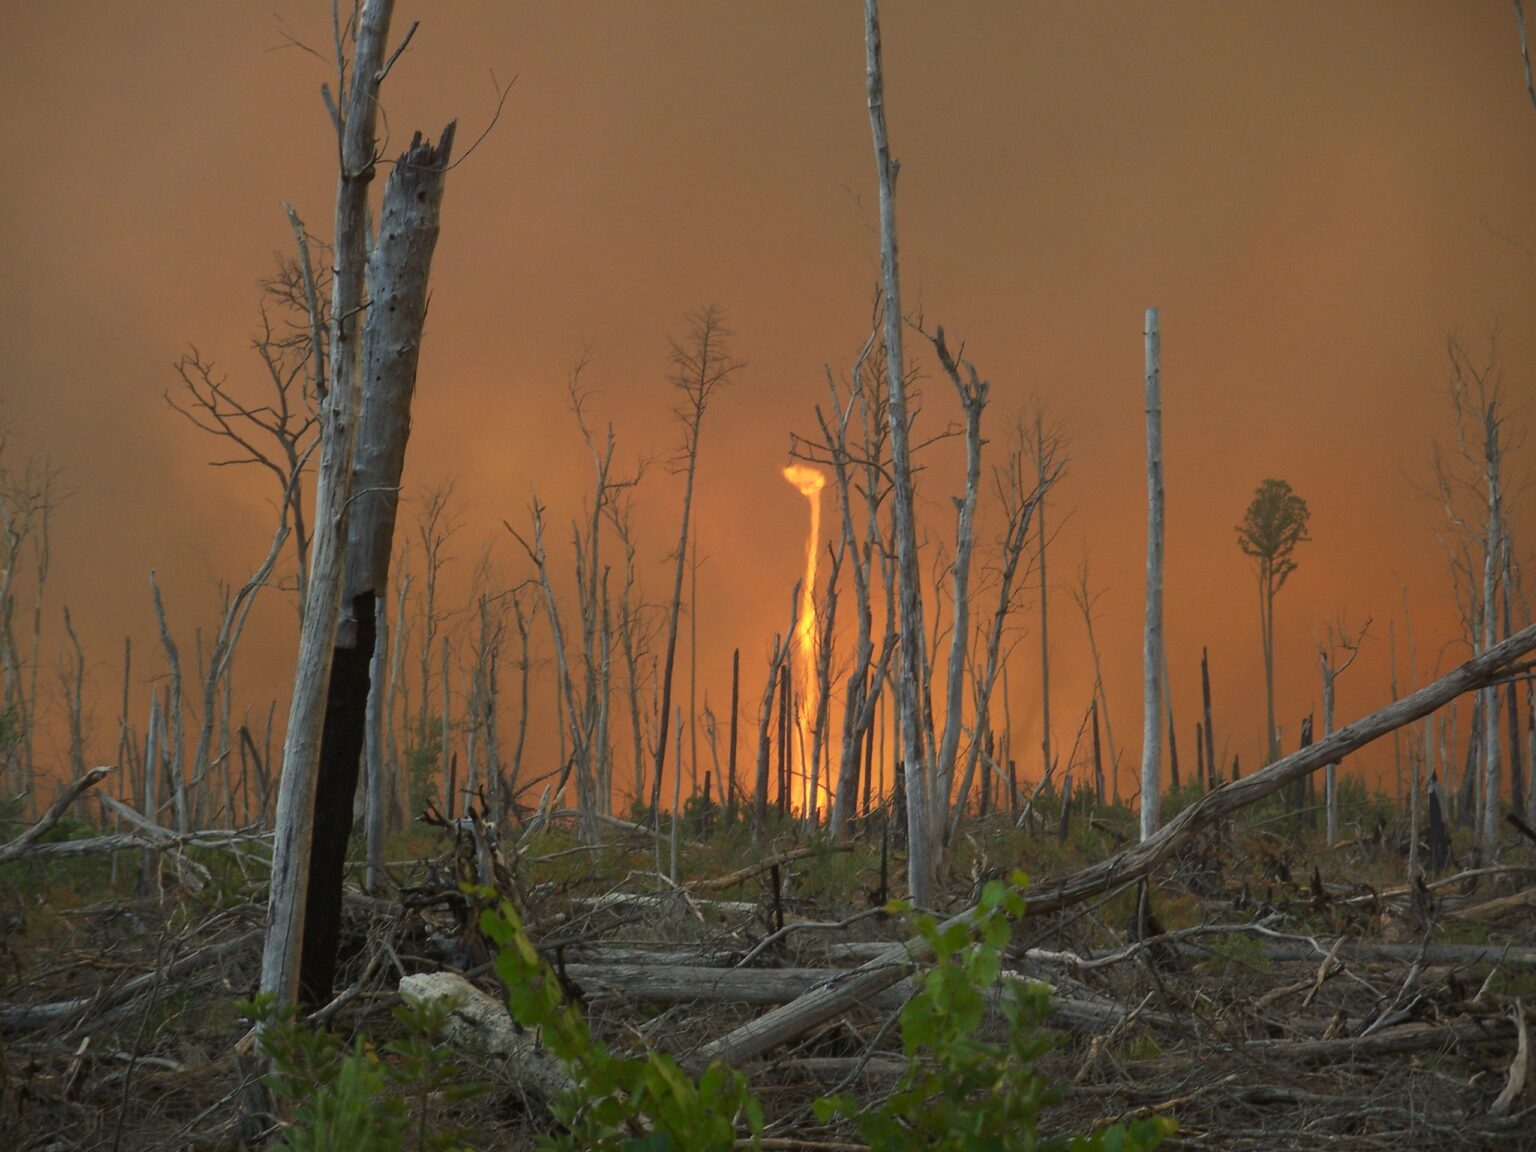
x,y
1262,991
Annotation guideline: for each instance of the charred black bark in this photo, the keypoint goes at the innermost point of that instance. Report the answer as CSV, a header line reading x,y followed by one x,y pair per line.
x,y
341,754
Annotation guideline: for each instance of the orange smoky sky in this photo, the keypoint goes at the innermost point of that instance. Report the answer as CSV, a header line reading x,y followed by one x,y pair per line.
x,y
1314,194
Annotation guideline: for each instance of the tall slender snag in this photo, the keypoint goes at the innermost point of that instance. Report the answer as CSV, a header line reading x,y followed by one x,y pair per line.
x,y
1152,646
700,368
917,771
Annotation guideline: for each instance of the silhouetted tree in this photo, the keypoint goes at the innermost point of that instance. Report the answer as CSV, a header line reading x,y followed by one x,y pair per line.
x,y
1272,528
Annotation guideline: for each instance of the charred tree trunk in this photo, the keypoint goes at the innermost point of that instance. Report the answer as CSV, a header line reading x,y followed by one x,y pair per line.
x,y
292,844
398,271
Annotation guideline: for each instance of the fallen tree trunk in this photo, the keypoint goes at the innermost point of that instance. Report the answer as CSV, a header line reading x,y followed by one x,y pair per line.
x,y
127,842
22,845
793,1020
32,1016
1417,1037
686,984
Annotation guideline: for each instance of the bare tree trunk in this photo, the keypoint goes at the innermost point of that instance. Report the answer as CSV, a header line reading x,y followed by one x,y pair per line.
x,y
1019,505
177,736
524,665
1085,603
1152,664
777,658
74,702
701,368
917,770
1210,734
1045,635
1512,699
296,822
823,679
1417,773
730,798
399,638
373,760
1491,565
399,268
150,877
972,392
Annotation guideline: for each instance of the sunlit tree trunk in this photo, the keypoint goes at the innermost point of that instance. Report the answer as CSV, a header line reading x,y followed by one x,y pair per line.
x,y
916,768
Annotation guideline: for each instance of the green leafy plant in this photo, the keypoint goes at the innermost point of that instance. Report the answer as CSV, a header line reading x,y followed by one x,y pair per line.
x,y
963,1092
356,1096
616,1103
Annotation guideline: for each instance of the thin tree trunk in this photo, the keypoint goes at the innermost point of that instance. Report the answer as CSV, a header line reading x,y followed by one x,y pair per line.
x,y
1491,554
1045,641
1152,648
373,758
917,770
730,797
1512,699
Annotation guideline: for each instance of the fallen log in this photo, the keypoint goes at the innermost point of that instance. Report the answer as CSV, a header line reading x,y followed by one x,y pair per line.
x,y
481,1022
793,1020
1422,1036
23,845
29,1017
686,984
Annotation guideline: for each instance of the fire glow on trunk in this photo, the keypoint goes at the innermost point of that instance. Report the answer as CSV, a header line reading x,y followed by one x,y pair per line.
x,y
810,482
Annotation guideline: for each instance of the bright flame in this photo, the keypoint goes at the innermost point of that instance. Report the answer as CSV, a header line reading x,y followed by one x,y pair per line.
x,y
810,481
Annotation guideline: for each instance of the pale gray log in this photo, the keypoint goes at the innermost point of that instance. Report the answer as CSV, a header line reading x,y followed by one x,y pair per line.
x,y
17,848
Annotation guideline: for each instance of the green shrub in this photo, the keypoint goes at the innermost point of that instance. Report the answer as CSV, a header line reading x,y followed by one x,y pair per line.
x,y
959,1091
617,1103
355,1097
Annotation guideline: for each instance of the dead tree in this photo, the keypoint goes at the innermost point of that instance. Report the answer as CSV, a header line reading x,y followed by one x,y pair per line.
x,y
73,684
572,717
777,657
1020,491
275,430
176,737
972,392
858,470
1085,602
399,268
700,368
26,499
1152,651
634,632
1327,657
315,801
1469,484
435,526
917,767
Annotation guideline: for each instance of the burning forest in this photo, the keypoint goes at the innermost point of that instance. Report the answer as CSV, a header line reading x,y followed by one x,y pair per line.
x,y
632,703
